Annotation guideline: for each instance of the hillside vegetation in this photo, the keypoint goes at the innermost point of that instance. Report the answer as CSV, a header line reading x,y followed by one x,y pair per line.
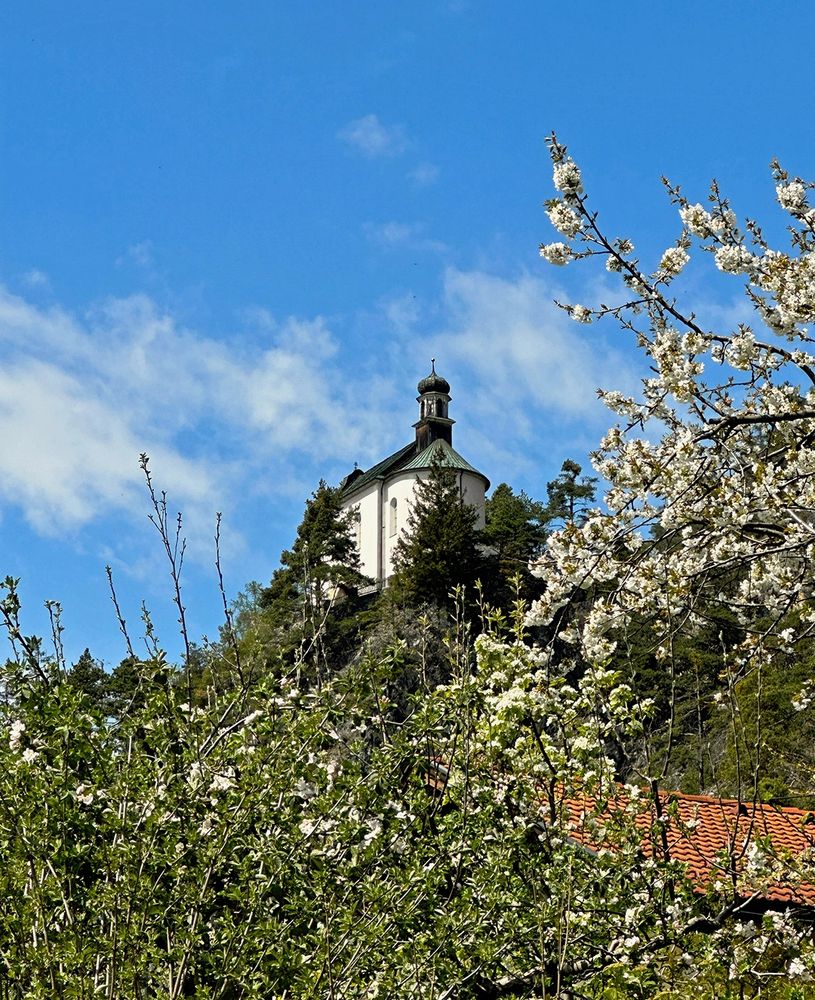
x,y
350,797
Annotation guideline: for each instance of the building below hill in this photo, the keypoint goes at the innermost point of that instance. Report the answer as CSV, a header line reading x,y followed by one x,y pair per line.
x,y
382,496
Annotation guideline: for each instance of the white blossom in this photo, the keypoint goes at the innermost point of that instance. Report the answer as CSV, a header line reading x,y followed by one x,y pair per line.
x,y
556,253
797,969
580,313
566,176
741,349
222,782
699,221
84,794
791,196
15,738
304,790
564,219
207,825
734,259
673,260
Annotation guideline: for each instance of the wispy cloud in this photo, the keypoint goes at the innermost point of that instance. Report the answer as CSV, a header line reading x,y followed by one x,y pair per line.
x,y
410,235
277,406
139,255
402,313
529,373
424,174
511,335
370,137
36,279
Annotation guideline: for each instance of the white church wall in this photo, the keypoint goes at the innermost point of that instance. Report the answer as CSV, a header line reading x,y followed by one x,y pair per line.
x,y
400,488
473,493
381,522
367,533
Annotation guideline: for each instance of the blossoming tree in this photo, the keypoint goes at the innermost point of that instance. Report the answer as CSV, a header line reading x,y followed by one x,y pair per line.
x,y
308,841
710,471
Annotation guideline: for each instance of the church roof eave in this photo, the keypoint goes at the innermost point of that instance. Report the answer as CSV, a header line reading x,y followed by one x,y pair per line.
x,y
393,463
447,457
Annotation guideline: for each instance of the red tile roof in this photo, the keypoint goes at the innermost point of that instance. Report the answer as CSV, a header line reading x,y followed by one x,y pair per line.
x,y
713,837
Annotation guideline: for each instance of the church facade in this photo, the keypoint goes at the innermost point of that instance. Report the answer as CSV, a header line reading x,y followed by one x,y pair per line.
x,y
382,495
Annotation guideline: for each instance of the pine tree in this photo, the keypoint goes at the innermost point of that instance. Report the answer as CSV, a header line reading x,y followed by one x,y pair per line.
x,y
439,548
123,688
570,494
305,603
515,528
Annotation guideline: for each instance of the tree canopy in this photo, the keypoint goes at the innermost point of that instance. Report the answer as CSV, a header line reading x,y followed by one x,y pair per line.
x,y
570,495
321,567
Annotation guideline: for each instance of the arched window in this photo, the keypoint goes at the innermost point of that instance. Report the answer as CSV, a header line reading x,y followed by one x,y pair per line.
x,y
392,517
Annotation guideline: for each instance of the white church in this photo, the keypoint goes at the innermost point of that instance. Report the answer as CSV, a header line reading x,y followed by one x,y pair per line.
x,y
382,495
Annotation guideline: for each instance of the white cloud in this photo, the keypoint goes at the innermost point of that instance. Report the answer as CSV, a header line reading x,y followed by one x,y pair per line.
x,y
140,254
402,313
278,405
82,397
69,456
368,135
513,337
410,235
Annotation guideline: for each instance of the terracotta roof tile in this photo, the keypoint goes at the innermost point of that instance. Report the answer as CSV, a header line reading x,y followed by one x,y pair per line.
x,y
712,837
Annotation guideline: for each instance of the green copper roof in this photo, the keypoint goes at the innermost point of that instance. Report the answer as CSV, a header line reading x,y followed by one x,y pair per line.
x,y
445,455
408,458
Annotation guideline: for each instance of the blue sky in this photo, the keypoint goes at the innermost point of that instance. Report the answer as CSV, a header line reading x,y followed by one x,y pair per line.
x,y
234,234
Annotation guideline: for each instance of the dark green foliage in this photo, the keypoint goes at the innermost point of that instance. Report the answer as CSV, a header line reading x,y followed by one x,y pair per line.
x,y
123,687
680,745
88,676
439,550
309,605
570,494
516,526
773,740
516,533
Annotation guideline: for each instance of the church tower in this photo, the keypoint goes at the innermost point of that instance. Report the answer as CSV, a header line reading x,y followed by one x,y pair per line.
x,y
382,496
433,399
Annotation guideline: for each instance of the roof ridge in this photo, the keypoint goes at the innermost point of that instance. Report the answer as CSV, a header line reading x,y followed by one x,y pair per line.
x,y
745,803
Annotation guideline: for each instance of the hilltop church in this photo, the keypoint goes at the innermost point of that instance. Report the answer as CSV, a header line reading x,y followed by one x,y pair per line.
x,y
382,495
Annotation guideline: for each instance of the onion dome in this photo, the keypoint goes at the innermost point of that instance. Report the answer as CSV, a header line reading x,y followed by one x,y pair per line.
x,y
433,382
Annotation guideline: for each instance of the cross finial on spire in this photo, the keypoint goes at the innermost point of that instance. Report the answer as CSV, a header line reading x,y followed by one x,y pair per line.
x,y
433,365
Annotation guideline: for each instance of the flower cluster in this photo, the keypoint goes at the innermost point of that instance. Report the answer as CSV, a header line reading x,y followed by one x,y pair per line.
x,y
672,261
567,179
563,218
733,258
699,222
556,253
792,197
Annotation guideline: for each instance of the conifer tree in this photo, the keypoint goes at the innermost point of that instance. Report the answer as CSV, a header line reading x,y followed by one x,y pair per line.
x,y
570,494
515,528
321,567
88,676
439,548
